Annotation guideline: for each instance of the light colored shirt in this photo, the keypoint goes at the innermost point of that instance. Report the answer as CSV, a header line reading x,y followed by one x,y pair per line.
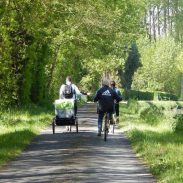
x,y
75,90
117,91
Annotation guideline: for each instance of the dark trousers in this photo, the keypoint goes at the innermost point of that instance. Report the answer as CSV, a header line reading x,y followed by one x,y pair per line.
x,y
100,119
75,107
117,109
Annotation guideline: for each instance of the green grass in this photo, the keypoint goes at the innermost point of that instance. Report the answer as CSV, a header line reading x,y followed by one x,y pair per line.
x,y
157,143
18,127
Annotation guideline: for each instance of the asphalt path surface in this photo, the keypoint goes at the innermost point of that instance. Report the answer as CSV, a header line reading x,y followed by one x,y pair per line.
x,y
68,157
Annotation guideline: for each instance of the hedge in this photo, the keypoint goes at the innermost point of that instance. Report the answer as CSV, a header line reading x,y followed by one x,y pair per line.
x,y
145,95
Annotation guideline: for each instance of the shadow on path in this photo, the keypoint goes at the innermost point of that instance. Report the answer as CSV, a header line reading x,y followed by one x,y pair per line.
x,y
83,157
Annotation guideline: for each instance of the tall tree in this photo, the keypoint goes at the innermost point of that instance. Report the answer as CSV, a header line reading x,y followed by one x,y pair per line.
x,y
131,65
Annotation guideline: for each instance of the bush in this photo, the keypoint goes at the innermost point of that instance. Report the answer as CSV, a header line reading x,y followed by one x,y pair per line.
x,y
178,124
165,105
151,114
166,96
90,97
138,95
133,105
145,95
82,100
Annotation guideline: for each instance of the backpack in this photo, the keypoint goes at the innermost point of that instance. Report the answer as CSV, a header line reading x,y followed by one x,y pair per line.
x,y
68,91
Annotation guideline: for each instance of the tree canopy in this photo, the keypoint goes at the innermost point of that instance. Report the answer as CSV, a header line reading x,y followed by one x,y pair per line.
x,y
41,42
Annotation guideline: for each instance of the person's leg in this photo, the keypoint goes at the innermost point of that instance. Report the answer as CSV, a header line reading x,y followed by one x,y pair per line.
x,y
111,118
100,118
117,109
117,112
75,107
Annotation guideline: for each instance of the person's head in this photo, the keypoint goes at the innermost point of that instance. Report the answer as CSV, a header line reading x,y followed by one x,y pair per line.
x,y
105,82
68,80
113,84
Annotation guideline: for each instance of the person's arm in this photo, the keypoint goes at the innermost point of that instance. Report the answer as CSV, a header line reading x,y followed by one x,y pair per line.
x,y
117,97
61,92
96,97
119,93
76,89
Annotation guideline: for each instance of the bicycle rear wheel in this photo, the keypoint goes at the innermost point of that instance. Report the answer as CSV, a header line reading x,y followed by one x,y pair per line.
x,y
113,122
76,122
106,127
105,135
113,126
53,126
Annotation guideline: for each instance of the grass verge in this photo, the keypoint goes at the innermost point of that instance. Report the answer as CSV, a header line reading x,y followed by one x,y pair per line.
x,y
154,138
18,127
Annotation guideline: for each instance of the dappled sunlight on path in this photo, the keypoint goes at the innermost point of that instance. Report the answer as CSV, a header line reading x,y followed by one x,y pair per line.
x,y
83,157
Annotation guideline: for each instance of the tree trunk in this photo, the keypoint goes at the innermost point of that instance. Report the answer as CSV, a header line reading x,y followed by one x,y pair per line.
x,y
165,20
154,22
158,14
146,23
53,65
181,93
176,20
168,17
150,25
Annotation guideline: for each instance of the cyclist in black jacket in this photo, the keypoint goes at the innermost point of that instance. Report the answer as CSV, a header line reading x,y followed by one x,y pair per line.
x,y
105,97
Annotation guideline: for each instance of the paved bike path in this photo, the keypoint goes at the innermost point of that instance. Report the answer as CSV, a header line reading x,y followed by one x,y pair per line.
x,y
68,157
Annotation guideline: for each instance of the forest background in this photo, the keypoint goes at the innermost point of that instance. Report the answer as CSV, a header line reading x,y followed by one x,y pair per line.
x,y
137,43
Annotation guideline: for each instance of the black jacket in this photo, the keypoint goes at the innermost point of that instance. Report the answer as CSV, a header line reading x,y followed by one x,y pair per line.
x,y
106,96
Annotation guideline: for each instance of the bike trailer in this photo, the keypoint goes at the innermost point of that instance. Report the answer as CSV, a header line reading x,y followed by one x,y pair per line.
x,y
64,111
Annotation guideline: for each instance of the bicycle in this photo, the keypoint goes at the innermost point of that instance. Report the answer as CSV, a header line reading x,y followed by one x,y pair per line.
x,y
113,122
106,125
